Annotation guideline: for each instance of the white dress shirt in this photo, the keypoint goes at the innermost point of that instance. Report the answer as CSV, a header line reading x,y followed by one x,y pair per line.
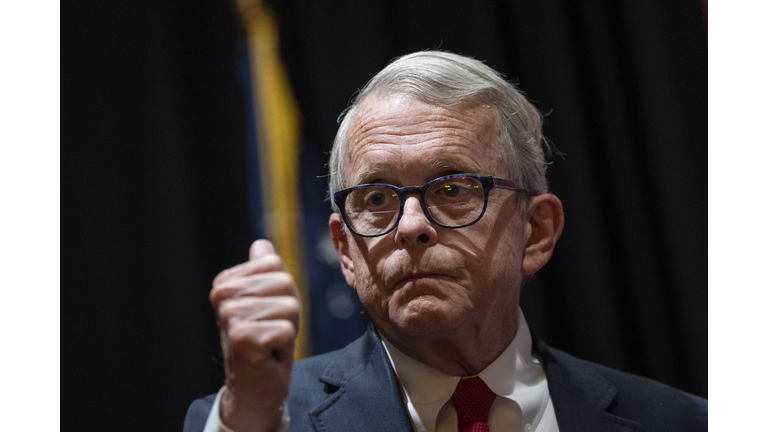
x,y
516,376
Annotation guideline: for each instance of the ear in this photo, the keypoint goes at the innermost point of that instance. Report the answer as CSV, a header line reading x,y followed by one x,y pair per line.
x,y
544,224
340,241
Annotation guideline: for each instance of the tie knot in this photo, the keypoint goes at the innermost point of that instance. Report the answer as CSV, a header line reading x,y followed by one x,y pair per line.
x,y
472,400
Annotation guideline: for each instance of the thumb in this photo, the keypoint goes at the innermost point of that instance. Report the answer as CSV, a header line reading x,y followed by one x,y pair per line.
x,y
259,248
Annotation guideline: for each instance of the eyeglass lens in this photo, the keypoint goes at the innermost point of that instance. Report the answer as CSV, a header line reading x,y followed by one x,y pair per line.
x,y
451,203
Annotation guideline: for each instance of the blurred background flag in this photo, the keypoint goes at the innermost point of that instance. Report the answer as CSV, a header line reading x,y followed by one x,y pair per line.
x,y
274,151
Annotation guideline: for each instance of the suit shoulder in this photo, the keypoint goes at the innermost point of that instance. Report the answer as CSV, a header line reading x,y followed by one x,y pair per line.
x,y
647,401
197,414
642,388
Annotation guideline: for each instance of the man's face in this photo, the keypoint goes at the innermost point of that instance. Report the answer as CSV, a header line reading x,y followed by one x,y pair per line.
x,y
421,279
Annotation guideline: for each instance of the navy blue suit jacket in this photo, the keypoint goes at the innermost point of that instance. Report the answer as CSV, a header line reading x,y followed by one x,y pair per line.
x,y
356,389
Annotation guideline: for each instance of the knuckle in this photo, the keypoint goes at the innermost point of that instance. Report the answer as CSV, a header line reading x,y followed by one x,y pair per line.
x,y
292,305
226,311
232,325
271,262
220,293
286,330
286,283
215,296
240,339
277,333
221,276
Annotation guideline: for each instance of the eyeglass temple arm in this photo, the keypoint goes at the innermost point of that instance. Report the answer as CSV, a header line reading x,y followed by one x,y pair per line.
x,y
507,184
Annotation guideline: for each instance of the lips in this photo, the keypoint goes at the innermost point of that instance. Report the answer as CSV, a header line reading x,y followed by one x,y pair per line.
x,y
410,269
416,276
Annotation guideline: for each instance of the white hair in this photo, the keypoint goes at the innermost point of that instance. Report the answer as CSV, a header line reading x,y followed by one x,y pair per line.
x,y
447,79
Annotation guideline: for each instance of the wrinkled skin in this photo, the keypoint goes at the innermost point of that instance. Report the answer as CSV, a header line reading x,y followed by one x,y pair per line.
x,y
446,297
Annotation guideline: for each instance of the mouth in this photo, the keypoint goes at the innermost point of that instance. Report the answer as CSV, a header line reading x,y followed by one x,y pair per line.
x,y
412,277
418,285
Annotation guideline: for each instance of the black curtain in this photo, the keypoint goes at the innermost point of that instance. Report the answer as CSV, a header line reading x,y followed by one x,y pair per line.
x,y
154,205
154,177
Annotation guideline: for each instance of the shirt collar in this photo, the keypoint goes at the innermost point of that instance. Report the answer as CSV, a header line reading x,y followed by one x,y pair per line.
x,y
515,375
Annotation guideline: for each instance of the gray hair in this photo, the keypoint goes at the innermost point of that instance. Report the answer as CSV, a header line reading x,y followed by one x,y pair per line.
x,y
447,79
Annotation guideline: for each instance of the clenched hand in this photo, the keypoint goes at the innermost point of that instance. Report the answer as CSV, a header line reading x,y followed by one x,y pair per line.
x,y
258,316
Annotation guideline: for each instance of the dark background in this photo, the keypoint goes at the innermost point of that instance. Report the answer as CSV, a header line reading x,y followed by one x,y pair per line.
x,y
155,177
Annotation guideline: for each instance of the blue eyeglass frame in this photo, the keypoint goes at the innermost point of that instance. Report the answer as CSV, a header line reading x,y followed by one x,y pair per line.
x,y
488,182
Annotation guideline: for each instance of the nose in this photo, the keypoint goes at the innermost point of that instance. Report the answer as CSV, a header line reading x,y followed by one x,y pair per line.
x,y
414,228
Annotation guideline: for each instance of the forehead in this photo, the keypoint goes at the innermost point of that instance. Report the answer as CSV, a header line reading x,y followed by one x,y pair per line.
x,y
400,139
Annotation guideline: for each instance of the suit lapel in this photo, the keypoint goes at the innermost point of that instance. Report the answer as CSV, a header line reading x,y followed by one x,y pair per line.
x,y
582,397
366,393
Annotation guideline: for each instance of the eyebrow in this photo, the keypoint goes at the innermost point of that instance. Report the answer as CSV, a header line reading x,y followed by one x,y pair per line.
x,y
369,172
375,170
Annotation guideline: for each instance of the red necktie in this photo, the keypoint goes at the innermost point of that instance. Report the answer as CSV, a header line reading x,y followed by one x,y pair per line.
x,y
473,400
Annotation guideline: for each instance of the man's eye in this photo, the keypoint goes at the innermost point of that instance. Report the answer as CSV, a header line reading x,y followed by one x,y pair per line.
x,y
378,199
452,190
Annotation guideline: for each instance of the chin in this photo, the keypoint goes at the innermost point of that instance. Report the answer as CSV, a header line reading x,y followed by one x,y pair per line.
x,y
423,315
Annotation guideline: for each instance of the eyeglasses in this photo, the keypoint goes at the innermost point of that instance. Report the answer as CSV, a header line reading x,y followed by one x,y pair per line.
x,y
453,201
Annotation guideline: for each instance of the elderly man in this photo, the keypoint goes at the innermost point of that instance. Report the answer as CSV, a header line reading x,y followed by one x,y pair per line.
x,y
441,212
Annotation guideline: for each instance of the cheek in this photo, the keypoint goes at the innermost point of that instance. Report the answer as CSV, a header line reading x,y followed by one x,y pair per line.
x,y
366,276
365,288
371,256
496,246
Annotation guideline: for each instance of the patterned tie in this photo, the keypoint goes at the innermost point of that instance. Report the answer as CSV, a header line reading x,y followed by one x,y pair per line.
x,y
473,400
